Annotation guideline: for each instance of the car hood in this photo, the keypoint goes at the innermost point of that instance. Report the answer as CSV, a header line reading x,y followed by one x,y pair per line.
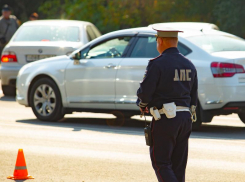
x,y
48,64
230,54
49,60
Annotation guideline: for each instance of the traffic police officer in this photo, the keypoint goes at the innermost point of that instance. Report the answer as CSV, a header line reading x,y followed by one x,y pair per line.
x,y
169,90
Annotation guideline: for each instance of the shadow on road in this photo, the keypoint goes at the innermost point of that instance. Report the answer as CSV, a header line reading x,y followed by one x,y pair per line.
x,y
130,126
7,98
220,132
135,127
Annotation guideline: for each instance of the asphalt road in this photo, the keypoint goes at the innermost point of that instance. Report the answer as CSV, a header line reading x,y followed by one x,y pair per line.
x,y
82,147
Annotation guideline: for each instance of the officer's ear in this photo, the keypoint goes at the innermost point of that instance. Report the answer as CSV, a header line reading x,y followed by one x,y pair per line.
x,y
160,40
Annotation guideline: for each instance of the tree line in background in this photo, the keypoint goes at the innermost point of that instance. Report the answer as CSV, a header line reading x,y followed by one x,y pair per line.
x,y
110,15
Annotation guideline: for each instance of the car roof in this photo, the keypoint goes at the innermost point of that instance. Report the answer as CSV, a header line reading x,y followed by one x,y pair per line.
x,y
56,22
148,30
187,32
192,25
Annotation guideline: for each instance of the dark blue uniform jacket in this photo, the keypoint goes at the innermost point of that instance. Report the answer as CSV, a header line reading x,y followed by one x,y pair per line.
x,y
170,77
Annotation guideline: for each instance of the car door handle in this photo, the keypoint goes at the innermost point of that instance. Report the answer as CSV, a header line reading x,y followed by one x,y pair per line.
x,y
110,65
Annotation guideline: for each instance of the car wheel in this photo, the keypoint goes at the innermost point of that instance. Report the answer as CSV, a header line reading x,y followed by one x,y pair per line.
x,y
242,116
118,121
45,100
127,115
8,90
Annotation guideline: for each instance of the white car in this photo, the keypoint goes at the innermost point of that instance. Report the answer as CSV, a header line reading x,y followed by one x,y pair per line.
x,y
41,39
104,75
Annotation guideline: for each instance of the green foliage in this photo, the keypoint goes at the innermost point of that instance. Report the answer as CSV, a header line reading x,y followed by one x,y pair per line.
x,y
110,15
53,9
230,15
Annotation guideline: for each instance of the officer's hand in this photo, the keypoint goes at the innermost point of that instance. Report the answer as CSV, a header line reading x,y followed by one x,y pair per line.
x,y
145,110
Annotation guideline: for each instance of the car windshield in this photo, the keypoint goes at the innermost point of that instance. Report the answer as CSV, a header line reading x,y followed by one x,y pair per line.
x,y
218,43
48,33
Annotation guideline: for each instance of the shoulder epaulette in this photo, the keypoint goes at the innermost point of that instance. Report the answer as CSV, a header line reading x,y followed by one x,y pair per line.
x,y
13,17
156,57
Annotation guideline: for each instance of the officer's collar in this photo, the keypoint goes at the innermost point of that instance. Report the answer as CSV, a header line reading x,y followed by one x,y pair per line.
x,y
171,50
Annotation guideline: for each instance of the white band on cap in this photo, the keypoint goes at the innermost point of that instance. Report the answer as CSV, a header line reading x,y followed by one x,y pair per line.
x,y
167,34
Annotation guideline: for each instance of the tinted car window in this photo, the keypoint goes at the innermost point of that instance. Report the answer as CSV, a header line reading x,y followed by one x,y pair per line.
x,y
81,54
183,49
146,47
113,48
47,33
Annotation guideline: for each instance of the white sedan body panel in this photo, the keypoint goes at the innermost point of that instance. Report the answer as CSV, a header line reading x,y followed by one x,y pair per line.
x,y
231,89
91,83
51,67
130,72
214,93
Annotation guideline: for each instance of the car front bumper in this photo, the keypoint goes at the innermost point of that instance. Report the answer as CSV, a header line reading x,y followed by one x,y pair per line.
x,y
20,100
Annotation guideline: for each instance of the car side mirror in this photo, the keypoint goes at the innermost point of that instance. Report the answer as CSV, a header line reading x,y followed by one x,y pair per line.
x,y
76,58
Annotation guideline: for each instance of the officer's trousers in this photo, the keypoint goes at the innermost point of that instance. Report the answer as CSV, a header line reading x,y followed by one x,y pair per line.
x,y
169,151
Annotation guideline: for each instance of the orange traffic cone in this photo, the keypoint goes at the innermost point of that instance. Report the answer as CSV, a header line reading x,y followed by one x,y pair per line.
x,y
20,171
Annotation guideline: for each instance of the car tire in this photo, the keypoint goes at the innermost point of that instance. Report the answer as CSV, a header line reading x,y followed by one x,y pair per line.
x,y
242,116
8,90
118,121
45,100
127,115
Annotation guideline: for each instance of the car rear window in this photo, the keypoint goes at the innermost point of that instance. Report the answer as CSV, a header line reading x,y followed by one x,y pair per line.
x,y
48,33
92,32
218,43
